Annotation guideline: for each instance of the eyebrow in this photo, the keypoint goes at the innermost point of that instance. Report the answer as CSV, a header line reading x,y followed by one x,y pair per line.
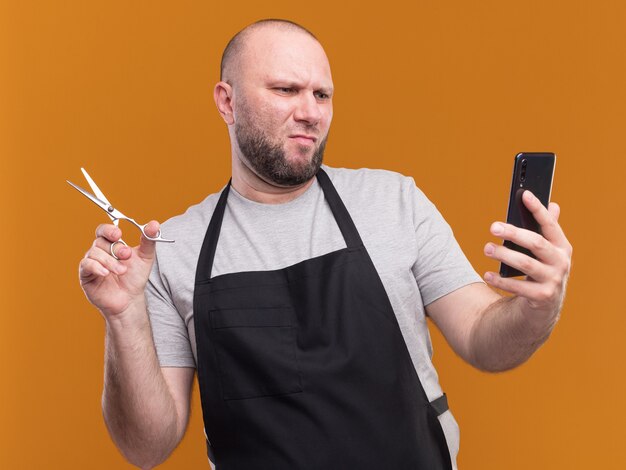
x,y
287,83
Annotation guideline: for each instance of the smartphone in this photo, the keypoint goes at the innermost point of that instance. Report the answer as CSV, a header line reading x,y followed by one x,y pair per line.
x,y
533,171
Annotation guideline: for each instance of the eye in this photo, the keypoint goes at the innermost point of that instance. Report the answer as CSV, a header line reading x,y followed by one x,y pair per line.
x,y
320,95
285,90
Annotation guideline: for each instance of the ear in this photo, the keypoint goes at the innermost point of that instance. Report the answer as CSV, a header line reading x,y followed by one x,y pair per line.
x,y
222,94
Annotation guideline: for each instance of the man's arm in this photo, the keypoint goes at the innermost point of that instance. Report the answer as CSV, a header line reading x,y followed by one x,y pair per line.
x,y
146,407
496,333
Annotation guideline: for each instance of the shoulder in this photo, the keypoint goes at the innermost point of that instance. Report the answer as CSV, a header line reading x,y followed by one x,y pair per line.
x,y
378,187
368,176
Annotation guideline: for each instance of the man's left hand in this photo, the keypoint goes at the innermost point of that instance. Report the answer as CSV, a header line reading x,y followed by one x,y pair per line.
x,y
543,289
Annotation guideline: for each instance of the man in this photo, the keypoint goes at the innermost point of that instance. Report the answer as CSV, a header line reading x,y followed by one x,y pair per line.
x,y
300,292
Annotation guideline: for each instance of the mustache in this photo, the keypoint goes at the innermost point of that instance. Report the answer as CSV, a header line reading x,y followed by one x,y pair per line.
x,y
306,129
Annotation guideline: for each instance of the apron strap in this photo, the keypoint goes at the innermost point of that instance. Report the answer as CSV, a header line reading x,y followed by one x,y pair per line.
x,y
209,451
440,405
342,217
207,253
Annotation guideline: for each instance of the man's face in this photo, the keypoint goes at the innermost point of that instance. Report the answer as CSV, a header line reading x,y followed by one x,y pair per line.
x,y
282,106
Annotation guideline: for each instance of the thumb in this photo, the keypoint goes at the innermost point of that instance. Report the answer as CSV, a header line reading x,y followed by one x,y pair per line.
x,y
148,247
554,209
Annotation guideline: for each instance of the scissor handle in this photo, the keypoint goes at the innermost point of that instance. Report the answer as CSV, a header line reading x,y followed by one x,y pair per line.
x,y
158,237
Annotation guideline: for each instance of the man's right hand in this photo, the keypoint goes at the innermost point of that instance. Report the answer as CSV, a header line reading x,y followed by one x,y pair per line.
x,y
145,406
113,285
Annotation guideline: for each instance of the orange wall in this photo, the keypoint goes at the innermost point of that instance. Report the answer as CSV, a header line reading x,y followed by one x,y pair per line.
x,y
446,92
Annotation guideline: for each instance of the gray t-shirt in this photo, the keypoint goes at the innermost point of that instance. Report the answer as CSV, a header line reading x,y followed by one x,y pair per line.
x,y
412,247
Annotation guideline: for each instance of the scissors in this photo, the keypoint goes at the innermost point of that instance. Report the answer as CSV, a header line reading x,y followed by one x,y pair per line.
x,y
103,203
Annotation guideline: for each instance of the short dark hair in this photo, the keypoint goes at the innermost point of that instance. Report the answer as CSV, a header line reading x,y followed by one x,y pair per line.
x,y
235,45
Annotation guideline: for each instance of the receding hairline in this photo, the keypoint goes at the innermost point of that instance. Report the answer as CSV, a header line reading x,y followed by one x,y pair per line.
x,y
236,45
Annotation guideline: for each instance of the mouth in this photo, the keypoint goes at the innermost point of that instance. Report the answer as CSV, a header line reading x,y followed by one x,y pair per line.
x,y
304,139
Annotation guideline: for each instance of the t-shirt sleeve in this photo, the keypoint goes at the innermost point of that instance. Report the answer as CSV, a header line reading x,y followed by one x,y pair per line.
x,y
171,338
441,266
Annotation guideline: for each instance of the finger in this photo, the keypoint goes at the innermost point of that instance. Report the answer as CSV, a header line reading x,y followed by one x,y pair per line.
x,y
548,223
520,261
555,210
122,251
109,231
89,268
148,247
537,244
524,288
106,260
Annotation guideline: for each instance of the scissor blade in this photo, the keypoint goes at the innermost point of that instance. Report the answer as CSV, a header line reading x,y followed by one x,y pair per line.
x,y
101,204
94,187
99,194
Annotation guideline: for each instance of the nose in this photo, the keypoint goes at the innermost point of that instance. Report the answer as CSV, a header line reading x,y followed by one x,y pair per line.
x,y
308,109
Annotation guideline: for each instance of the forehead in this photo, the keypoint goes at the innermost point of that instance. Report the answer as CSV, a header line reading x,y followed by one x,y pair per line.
x,y
274,53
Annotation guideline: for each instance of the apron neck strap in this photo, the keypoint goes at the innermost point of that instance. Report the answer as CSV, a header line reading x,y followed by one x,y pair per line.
x,y
207,253
342,217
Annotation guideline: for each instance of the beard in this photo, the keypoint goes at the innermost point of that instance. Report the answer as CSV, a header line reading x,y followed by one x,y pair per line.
x,y
267,159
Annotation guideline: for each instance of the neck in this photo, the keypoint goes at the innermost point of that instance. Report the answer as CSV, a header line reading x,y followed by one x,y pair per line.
x,y
251,186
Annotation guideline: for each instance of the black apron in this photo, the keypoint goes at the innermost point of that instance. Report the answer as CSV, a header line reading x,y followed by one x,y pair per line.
x,y
305,368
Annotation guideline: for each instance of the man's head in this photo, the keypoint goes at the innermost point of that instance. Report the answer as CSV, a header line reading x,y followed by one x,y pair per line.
x,y
275,94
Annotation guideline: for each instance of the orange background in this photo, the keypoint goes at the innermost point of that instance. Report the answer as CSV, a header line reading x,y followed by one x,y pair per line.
x,y
446,92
